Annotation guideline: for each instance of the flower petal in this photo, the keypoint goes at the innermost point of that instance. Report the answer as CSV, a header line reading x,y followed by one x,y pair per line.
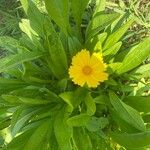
x,y
83,60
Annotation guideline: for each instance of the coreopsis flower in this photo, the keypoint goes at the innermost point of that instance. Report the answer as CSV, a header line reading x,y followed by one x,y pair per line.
x,y
88,69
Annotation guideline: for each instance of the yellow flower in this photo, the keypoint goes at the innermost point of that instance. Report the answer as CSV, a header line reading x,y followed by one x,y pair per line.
x,y
88,69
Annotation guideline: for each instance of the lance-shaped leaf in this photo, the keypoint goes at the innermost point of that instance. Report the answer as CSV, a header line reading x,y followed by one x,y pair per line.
x,y
58,10
100,6
142,104
13,60
56,59
62,131
9,43
142,71
134,141
35,16
31,138
20,123
18,142
113,50
135,56
115,36
127,113
24,100
73,99
99,22
5,122
80,137
40,138
78,8
79,120
7,85
90,104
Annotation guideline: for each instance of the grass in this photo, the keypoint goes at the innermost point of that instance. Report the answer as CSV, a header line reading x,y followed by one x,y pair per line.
x,y
140,9
10,15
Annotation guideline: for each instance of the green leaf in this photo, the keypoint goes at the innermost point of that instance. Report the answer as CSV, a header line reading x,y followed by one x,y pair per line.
x,y
99,22
135,56
135,140
4,122
113,50
32,137
110,53
31,44
90,104
99,142
44,113
142,71
100,6
24,100
115,37
95,124
31,70
123,125
142,104
15,72
111,81
35,92
63,132
9,43
146,118
13,60
96,42
73,99
57,59
114,67
58,10
74,45
80,137
68,97
18,142
3,110
16,116
40,138
78,8
7,85
102,99
120,56
26,28
62,85
120,21
78,120
127,113
35,16
22,121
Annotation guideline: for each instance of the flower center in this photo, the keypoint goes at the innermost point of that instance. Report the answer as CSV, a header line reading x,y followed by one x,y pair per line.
x,y
87,70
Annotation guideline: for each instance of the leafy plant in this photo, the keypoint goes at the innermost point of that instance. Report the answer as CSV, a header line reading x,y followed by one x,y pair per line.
x,y
44,109
10,14
140,10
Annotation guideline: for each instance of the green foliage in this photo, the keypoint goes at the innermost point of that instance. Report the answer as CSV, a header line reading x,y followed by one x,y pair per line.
x,y
140,10
10,14
127,113
62,131
42,109
99,22
132,60
59,12
116,36
78,8
133,141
